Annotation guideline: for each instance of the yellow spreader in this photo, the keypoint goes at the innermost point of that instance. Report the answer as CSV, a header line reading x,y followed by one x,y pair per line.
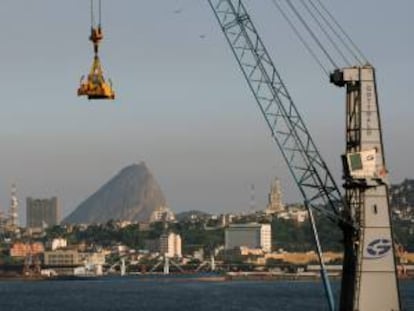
x,y
95,86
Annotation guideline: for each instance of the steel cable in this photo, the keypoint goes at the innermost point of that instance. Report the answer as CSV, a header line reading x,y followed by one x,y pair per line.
x,y
315,38
100,13
331,40
300,37
92,15
344,43
343,31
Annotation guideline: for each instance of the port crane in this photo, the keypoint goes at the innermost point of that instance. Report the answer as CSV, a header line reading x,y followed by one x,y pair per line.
x,y
95,86
369,281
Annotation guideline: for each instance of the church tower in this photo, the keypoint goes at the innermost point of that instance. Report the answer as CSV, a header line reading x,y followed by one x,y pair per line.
x,y
275,204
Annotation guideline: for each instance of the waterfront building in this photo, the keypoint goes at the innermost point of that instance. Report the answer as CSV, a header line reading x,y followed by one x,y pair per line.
x,y
20,249
92,258
10,223
42,213
170,245
252,236
59,243
72,257
68,261
62,258
303,258
275,204
92,263
14,210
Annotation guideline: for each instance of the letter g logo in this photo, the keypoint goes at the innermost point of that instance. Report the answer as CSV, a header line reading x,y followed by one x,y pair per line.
x,y
378,248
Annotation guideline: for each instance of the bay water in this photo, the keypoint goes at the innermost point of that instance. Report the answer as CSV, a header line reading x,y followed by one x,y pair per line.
x,y
175,294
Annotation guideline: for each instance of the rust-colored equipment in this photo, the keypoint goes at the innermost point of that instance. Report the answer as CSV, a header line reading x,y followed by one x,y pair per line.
x,y
94,85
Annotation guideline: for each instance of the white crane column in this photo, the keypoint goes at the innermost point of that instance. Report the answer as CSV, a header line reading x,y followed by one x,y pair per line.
x,y
371,260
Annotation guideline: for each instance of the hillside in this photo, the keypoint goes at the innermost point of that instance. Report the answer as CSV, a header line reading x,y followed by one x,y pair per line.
x,y
133,194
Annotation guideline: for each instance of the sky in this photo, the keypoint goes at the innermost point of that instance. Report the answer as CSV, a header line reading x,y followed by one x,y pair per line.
x,y
182,103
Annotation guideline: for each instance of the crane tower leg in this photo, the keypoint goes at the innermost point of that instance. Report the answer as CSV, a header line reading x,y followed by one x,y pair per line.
x,y
370,275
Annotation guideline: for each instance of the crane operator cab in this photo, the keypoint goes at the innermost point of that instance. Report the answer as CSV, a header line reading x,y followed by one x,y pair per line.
x,y
94,85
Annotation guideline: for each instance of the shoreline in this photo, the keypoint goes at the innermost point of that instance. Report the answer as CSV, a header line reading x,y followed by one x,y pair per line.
x,y
228,277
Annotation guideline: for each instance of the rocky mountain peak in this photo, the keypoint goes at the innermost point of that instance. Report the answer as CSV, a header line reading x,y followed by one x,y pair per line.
x,y
132,194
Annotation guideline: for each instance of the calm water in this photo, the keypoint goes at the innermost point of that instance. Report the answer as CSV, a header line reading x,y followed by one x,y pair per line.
x,y
165,294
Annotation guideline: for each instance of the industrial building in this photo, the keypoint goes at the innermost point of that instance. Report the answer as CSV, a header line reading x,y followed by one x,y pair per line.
x,y
42,213
253,236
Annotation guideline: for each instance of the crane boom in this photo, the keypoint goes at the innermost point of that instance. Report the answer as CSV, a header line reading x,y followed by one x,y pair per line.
x,y
287,127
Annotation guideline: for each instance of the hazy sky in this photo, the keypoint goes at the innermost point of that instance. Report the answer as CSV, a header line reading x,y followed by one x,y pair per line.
x,y
182,104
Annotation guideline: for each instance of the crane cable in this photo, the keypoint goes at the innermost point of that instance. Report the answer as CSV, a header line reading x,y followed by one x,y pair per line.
x,y
313,35
344,43
100,13
93,23
337,36
357,49
300,37
318,22
92,15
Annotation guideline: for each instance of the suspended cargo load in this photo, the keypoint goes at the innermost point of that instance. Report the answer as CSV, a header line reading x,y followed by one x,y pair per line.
x,y
95,86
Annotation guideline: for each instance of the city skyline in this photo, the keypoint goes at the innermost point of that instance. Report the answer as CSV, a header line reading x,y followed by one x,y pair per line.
x,y
183,106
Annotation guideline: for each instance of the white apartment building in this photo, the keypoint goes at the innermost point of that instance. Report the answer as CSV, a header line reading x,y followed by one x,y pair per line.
x,y
59,243
162,213
170,245
252,236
